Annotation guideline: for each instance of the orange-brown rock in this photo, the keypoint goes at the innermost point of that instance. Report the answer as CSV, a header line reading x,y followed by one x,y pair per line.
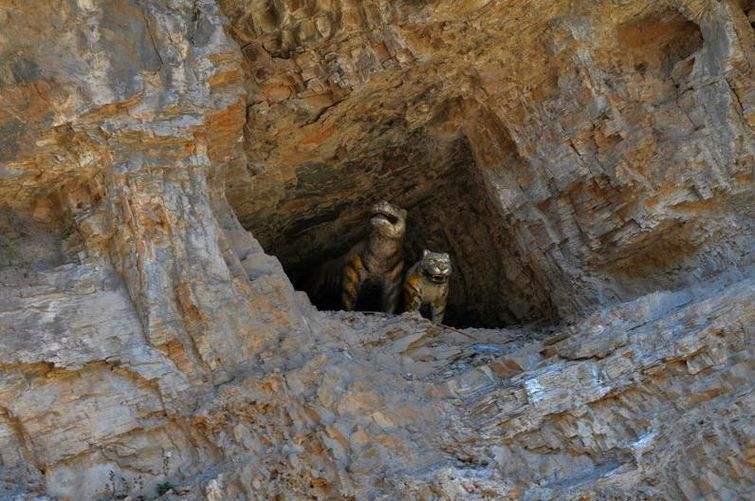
x,y
170,169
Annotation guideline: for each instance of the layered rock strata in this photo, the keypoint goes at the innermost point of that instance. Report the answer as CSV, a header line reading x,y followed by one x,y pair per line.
x,y
587,164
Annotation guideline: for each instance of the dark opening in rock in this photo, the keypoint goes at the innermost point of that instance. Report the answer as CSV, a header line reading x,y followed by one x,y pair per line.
x,y
659,41
326,211
29,246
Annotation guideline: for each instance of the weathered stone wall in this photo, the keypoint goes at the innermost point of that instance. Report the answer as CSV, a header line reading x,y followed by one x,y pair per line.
x,y
588,162
614,138
121,118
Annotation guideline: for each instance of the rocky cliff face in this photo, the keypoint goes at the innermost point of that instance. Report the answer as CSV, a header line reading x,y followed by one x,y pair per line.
x,y
170,169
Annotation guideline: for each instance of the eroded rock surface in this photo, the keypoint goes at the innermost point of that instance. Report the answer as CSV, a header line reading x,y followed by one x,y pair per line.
x,y
613,140
587,164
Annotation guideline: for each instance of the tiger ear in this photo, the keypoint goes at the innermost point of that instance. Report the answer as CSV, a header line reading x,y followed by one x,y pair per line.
x,y
446,256
425,253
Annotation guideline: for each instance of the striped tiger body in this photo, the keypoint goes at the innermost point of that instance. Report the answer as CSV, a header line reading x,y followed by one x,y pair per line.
x,y
426,284
378,260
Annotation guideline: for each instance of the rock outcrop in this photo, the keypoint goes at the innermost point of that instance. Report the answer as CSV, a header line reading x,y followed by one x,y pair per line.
x,y
170,169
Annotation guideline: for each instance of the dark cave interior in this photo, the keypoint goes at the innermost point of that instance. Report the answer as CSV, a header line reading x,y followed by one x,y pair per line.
x,y
326,212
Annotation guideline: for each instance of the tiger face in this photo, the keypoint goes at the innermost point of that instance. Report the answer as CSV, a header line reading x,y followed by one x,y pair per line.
x,y
388,220
436,266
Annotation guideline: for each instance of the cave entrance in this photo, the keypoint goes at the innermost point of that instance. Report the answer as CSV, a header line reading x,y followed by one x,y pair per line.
x,y
327,209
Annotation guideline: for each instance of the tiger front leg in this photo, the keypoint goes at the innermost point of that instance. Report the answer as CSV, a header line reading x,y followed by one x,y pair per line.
x,y
437,312
412,300
351,283
391,295
438,308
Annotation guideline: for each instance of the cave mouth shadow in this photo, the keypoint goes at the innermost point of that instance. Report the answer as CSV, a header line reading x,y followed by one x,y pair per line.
x,y
368,300
449,210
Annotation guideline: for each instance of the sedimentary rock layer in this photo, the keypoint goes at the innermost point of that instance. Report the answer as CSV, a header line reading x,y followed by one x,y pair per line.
x,y
169,169
613,140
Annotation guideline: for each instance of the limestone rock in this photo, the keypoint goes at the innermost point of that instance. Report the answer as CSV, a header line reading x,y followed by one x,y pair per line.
x,y
567,154
169,169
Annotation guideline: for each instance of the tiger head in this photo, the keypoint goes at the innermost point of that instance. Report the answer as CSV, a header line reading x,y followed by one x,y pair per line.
x,y
388,220
436,266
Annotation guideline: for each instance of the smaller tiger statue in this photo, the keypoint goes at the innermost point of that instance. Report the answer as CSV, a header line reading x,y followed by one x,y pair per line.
x,y
426,284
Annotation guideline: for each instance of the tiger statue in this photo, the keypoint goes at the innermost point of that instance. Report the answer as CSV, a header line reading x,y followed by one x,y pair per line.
x,y
426,284
377,261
